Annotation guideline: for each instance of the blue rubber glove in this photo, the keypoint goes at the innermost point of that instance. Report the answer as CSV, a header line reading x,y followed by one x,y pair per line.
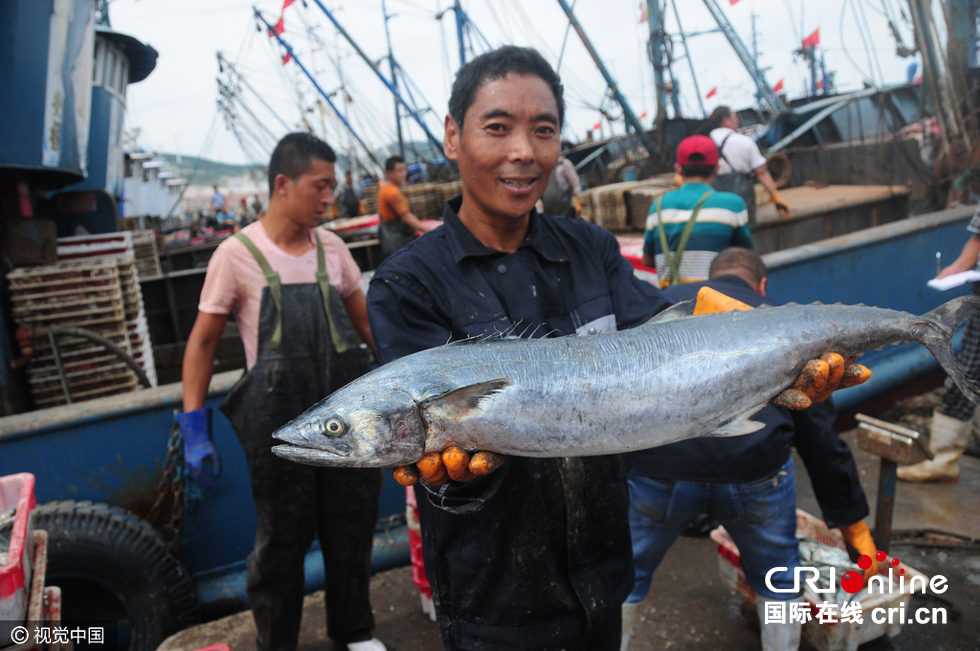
x,y
195,426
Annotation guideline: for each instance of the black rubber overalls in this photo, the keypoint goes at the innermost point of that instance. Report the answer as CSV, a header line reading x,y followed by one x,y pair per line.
x,y
394,235
301,329
740,183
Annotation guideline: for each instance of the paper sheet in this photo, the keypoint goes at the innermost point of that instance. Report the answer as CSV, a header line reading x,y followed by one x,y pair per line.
x,y
949,282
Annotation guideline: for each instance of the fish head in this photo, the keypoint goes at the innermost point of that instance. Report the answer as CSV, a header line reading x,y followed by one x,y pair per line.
x,y
365,424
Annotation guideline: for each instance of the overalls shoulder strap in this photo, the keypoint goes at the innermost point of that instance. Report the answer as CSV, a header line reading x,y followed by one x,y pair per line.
x,y
721,151
275,286
674,261
324,281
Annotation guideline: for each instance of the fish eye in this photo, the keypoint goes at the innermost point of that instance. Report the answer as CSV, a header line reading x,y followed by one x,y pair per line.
x,y
334,427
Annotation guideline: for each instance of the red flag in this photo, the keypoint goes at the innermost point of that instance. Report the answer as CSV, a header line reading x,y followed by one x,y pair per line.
x,y
734,2
643,12
286,58
820,84
778,87
643,115
711,93
597,126
286,3
278,28
813,40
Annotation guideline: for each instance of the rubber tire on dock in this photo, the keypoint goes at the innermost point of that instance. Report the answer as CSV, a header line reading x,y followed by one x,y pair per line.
x,y
125,555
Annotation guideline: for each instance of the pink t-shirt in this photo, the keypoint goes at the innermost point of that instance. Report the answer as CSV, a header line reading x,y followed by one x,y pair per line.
x,y
234,281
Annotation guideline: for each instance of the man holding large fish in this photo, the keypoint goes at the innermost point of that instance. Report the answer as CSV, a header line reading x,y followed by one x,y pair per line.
x,y
535,553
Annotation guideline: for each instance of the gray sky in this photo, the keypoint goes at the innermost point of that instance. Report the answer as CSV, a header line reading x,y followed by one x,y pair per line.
x,y
175,107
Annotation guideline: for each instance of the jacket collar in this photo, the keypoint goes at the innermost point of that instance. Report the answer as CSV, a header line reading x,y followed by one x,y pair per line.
x,y
462,243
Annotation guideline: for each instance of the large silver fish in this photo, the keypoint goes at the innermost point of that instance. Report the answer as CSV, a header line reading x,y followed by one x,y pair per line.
x,y
677,377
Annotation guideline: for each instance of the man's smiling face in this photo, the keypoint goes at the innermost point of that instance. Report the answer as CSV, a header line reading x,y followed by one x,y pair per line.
x,y
507,146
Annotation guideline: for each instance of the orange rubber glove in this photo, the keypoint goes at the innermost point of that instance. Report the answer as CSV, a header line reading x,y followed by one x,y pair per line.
x,y
453,463
858,536
781,206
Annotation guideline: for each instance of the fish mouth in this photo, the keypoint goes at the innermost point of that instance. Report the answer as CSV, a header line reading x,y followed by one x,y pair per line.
x,y
317,457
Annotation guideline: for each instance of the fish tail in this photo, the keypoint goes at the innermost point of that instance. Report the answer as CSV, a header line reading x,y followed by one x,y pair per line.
x,y
940,326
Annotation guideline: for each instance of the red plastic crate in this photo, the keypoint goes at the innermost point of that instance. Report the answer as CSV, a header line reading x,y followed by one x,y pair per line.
x,y
17,491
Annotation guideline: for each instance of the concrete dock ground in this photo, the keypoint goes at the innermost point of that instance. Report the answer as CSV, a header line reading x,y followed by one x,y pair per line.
x,y
689,607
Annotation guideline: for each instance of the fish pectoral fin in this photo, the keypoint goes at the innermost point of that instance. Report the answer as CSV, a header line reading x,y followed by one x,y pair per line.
x,y
463,403
676,311
739,425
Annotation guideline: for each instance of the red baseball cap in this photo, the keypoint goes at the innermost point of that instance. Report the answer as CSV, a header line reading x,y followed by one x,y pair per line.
x,y
697,150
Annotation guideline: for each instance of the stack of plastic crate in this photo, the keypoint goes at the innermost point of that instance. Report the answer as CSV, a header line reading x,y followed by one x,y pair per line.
x,y
118,247
147,255
85,295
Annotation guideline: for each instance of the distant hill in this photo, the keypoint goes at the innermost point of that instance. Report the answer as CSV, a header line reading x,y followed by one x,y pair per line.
x,y
207,172
202,171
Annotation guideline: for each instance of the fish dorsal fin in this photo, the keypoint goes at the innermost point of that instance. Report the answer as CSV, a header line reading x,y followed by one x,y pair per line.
x,y
739,425
677,311
465,402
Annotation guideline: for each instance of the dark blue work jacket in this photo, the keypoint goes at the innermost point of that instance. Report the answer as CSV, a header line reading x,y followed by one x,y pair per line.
x,y
539,553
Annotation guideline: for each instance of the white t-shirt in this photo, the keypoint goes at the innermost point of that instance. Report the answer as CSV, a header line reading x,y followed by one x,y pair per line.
x,y
741,152
234,281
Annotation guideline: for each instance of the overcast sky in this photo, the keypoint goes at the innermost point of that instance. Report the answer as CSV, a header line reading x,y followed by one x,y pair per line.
x,y
175,108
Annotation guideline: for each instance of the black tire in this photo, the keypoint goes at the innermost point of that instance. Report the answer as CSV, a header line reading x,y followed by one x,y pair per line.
x,y
111,565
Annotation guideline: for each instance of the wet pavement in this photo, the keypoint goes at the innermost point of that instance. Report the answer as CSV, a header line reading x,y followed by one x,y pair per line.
x,y
689,607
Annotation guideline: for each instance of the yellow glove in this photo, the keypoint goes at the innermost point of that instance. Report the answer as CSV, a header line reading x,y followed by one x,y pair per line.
x,y
578,206
818,379
858,536
781,206
453,463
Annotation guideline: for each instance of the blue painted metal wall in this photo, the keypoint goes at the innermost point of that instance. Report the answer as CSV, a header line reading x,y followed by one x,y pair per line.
x,y
98,143
25,27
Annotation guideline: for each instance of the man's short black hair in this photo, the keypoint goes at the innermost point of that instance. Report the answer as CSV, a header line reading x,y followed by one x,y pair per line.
x,y
294,154
738,258
496,64
701,171
392,163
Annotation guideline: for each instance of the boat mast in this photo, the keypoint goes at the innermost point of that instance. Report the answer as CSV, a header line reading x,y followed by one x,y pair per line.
x,y
460,23
323,93
687,53
768,94
631,118
656,54
374,67
394,81
465,27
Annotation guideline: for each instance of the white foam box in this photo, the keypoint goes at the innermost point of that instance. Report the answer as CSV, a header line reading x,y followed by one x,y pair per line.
x,y
844,636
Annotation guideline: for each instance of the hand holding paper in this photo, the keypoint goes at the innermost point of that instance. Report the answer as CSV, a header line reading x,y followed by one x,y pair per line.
x,y
954,280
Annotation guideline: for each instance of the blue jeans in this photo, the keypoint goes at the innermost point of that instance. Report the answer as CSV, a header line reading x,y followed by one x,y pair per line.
x,y
760,516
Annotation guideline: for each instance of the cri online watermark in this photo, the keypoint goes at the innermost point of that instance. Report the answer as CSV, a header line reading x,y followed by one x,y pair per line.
x,y
781,612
